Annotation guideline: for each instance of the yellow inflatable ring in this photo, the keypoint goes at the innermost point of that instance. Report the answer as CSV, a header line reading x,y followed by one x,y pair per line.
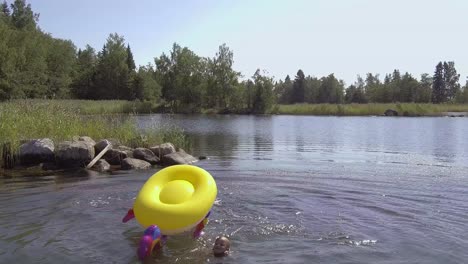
x,y
175,199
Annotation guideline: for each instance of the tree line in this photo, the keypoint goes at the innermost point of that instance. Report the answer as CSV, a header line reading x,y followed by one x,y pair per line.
x,y
33,64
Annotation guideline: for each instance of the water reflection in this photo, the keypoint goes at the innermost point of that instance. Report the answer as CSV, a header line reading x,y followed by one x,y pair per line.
x,y
262,142
315,138
443,135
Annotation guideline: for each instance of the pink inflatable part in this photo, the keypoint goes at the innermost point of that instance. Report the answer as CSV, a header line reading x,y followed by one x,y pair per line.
x,y
152,239
129,216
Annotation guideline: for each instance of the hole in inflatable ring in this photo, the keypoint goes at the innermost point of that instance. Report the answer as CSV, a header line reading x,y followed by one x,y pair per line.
x,y
176,192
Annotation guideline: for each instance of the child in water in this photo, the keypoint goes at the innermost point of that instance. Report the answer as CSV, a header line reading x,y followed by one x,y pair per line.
x,y
221,246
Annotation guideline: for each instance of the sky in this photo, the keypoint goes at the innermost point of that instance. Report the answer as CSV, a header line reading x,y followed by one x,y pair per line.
x,y
344,37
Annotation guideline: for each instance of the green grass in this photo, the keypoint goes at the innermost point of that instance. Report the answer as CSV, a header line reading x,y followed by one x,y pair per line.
x,y
102,107
406,109
62,120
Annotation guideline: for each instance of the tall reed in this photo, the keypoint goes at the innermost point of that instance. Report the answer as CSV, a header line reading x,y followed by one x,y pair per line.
x,y
62,120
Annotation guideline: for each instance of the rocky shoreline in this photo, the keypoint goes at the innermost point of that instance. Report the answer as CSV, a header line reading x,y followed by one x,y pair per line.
x,y
105,155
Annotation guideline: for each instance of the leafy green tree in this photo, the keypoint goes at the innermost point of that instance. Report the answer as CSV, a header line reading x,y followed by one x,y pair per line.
x,y
355,92
30,76
151,89
5,13
283,91
451,79
423,94
224,77
61,60
408,88
182,78
4,9
331,90
312,86
249,93
22,15
373,87
463,95
263,98
85,71
239,101
439,94
112,73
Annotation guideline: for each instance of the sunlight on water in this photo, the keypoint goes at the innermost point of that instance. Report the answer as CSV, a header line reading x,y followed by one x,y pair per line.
x,y
290,190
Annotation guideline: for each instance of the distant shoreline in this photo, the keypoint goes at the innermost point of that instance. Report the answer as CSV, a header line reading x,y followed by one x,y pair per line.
x,y
104,107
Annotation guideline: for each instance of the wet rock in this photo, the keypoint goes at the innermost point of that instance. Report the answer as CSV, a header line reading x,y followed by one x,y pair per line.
x,y
37,151
74,153
115,156
87,139
101,166
135,164
163,149
390,112
146,155
179,157
127,150
98,147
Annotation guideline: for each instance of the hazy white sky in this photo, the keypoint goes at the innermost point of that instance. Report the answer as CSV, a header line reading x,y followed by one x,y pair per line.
x,y
344,37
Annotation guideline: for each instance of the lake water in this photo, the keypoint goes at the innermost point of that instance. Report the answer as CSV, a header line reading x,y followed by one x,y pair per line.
x,y
291,189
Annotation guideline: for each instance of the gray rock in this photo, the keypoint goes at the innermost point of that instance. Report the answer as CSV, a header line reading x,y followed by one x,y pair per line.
x,y
163,149
36,151
98,147
390,112
179,157
74,154
115,156
101,166
146,155
87,139
135,164
127,150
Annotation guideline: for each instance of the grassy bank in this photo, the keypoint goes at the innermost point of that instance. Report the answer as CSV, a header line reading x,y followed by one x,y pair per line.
x,y
62,120
405,109
92,107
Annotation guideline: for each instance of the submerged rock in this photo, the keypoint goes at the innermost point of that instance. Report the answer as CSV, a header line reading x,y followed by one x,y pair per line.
x,y
101,166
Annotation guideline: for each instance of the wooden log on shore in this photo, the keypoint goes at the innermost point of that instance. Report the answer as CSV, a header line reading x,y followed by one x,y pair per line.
x,y
99,156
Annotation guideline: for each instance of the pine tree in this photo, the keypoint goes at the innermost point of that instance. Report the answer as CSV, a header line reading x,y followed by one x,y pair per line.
x,y
130,61
438,85
395,84
299,88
